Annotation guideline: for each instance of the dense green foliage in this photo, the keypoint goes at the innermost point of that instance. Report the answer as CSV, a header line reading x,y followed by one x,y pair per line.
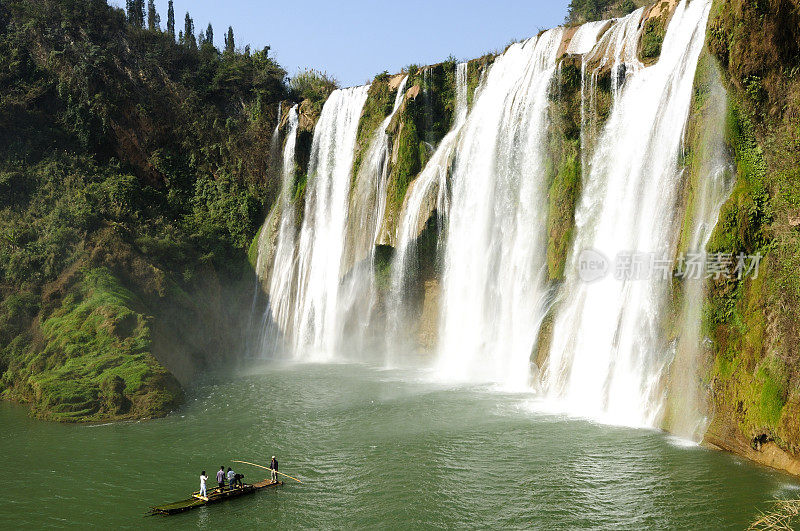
x,y
313,86
124,152
581,11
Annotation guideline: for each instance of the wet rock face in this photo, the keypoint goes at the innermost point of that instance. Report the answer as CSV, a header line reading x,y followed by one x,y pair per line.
x,y
429,317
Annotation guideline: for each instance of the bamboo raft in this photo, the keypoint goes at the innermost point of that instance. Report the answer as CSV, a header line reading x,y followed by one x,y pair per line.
x,y
214,496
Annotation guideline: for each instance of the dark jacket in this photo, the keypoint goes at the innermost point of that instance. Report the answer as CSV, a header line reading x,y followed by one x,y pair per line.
x,y
273,464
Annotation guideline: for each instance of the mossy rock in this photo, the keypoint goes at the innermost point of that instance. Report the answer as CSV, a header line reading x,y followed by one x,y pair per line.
x,y
377,107
94,361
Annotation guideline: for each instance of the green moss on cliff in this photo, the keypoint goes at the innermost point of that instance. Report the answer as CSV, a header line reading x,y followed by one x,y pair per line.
x,y
652,38
565,167
705,146
408,162
753,321
95,360
434,116
743,218
380,99
562,199
252,250
425,117
581,11
476,69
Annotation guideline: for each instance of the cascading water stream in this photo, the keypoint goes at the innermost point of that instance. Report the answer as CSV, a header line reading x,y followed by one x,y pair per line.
x,y
317,327
494,280
368,200
714,170
261,319
365,221
607,356
585,37
487,181
281,281
618,47
426,194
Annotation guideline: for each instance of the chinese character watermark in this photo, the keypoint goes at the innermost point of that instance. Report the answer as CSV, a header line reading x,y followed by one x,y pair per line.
x,y
594,265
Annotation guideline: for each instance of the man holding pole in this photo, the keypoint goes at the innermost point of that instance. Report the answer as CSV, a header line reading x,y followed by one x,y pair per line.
x,y
273,466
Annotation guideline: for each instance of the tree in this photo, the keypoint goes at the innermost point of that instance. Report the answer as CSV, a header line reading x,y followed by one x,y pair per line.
x,y
171,19
210,35
135,9
188,32
153,18
230,43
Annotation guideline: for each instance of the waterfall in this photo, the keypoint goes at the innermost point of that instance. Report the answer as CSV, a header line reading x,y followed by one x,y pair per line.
x,y
585,37
365,220
260,319
368,201
316,327
487,184
425,194
714,175
494,279
281,281
607,355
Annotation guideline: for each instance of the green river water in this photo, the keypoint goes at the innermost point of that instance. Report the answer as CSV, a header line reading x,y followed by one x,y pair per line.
x,y
376,449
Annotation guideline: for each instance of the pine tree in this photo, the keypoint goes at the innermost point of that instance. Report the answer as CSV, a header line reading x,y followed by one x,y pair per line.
x,y
209,37
230,43
129,10
153,18
171,20
135,9
188,32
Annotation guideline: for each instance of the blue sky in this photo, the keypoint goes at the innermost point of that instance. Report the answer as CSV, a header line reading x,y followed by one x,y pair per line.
x,y
355,39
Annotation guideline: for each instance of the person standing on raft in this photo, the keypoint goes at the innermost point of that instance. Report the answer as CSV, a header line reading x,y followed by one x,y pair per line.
x,y
231,478
273,466
221,478
203,479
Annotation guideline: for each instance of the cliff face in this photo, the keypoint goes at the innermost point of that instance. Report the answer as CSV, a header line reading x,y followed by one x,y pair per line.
x,y
754,379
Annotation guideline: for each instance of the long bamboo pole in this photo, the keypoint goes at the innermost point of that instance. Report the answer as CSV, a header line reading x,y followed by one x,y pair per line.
x,y
267,468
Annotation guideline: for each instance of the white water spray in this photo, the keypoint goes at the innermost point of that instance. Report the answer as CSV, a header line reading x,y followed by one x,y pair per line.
x,y
365,221
586,36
